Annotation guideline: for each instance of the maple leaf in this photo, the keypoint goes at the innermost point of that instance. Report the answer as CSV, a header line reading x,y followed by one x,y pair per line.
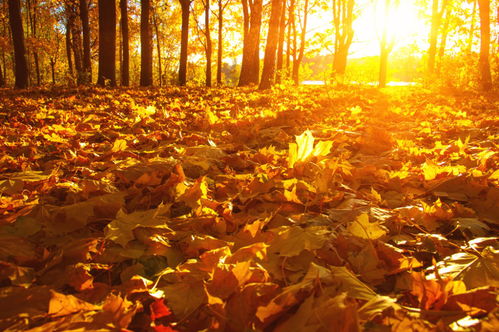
x,y
290,241
361,227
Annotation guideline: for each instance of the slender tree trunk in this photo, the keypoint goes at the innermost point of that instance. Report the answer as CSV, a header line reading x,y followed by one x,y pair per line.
x,y
16,26
107,42
32,6
209,46
184,42
87,63
386,47
52,70
69,23
158,47
432,51
343,26
485,75
291,25
280,43
299,56
443,41
472,27
145,44
383,67
2,81
220,43
269,62
125,48
250,67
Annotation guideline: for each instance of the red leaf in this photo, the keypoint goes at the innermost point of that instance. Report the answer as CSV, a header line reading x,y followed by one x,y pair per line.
x,y
159,309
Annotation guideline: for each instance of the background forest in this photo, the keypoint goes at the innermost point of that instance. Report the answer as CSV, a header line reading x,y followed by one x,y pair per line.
x,y
229,42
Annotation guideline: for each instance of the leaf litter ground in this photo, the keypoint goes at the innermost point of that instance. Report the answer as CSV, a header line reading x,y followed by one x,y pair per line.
x,y
303,209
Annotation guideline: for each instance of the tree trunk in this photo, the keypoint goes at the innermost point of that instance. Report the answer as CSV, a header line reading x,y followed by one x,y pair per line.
x,y
269,62
383,67
145,44
2,81
484,64
69,23
250,67
32,18
472,28
158,46
280,43
443,41
16,26
343,18
432,51
87,63
299,57
220,43
107,42
184,42
291,25
125,59
209,45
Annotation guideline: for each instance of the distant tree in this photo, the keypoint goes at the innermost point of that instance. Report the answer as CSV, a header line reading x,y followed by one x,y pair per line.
x,y
209,46
184,41
438,10
221,7
252,22
269,61
20,62
125,44
386,42
68,27
280,43
155,20
85,24
484,64
343,18
107,42
299,51
32,8
145,44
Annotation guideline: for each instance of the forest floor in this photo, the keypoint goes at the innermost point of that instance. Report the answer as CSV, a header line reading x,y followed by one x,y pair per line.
x,y
296,209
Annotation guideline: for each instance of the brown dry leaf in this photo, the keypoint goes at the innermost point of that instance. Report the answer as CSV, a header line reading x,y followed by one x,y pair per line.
x,y
290,241
62,305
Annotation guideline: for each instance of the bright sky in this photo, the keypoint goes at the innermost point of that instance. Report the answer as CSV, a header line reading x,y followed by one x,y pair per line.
x,y
404,24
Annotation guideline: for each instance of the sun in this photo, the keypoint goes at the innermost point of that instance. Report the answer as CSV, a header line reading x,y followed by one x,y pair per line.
x,y
403,24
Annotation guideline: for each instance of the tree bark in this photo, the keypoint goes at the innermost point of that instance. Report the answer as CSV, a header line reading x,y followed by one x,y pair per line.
x,y
343,25
250,67
20,62
184,42
209,46
125,44
158,47
107,42
69,23
280,43
298,58
436,21
145,44
87,63
484,63
269,62
220,42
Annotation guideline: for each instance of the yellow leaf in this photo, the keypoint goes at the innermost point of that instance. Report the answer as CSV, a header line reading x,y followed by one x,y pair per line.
x,y
305,145
430,170
119,145
361,227
293,154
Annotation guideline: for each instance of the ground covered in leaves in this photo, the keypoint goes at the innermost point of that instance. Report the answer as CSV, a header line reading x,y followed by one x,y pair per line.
x,y
300,209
